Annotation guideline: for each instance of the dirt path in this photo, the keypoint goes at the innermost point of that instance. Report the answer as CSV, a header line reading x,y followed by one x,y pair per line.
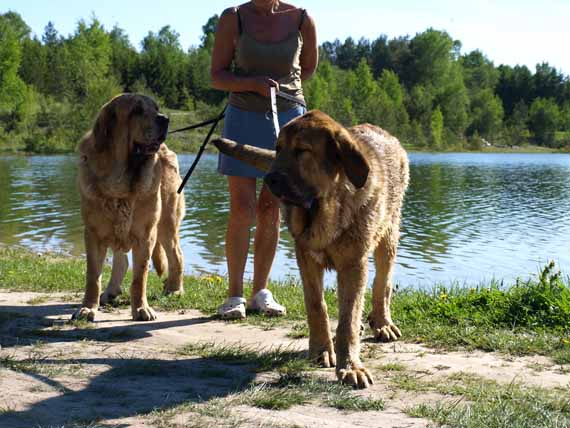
x,y
119,373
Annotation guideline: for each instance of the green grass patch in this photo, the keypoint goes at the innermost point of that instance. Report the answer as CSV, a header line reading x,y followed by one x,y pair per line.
x,y
475,402
301,388
296,385
528,317
279,358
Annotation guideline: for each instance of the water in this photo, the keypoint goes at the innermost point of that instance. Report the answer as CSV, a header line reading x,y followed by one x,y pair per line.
x,y
467,217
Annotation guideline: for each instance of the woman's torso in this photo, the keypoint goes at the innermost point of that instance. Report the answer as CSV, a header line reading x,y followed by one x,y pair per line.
x,y
269,46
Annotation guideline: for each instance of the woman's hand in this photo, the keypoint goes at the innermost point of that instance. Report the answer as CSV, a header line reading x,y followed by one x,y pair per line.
x,y
262,85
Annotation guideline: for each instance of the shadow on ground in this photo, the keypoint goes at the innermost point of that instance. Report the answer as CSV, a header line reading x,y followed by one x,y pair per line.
x,y
102,384
23,325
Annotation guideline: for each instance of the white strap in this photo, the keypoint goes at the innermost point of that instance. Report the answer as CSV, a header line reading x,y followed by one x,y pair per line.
x,y
273,92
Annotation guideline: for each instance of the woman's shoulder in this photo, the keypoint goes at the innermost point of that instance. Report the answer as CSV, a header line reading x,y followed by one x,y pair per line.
x,y
230,11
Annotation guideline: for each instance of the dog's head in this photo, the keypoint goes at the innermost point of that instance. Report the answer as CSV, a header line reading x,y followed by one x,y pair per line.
x,y
314,155
133,122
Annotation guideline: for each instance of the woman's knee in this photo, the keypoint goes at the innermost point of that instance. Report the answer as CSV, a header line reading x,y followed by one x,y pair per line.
x,y
242,200
267,206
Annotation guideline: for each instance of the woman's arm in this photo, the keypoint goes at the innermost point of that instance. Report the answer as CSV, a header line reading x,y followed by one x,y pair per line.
x,y
310,52
222,57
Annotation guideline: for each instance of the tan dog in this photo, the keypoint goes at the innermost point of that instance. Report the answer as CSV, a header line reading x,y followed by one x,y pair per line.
x,y
127,182
342,193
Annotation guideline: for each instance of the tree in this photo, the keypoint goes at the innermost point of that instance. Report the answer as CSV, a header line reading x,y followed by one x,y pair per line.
x,y
544,120
124,59
478,72
163,65
13,91
486,114
431,57
547,82
436,128
515,84
209,32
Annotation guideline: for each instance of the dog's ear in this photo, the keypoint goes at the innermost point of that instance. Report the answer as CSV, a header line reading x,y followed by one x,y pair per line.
x,y
353,162
104,126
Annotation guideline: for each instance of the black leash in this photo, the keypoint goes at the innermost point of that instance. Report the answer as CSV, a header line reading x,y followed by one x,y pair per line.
x,y
214,123
198,125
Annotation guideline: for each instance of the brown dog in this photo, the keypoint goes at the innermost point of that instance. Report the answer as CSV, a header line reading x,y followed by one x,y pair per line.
x,y
127,182
342,192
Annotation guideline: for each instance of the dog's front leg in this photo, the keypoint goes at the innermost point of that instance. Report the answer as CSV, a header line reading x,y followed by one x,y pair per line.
x,y
351,286
96,252
141,257
321,348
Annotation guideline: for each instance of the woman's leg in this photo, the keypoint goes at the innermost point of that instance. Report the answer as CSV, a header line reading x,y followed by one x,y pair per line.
x,y
242,214
266,238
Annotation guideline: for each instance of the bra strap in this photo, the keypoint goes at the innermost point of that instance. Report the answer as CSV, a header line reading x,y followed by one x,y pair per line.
x,y
303,15
240,26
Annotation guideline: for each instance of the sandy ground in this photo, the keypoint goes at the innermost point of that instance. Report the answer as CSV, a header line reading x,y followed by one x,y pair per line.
x,y
118,372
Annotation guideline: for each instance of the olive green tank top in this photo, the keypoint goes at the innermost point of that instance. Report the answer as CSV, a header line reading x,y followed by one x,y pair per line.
x,y
280,61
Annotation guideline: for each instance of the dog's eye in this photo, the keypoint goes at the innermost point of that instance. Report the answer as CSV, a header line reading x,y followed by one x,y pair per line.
x,y
299,151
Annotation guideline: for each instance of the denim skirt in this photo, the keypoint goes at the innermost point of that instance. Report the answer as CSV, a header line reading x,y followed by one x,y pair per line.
x,y
252,128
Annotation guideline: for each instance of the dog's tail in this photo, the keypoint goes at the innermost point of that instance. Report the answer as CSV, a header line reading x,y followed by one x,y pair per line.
x,y
159,259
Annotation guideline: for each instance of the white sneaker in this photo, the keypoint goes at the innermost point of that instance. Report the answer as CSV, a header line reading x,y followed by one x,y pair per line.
x,y
232,309
264,302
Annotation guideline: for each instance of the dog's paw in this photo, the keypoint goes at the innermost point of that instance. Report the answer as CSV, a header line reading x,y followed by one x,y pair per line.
x,y
172,290
145,313
358,377
388,333
107,298
384,330
324,356
84,314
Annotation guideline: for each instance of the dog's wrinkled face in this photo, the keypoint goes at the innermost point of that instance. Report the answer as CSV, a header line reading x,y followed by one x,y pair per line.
x,y
313,152
138,117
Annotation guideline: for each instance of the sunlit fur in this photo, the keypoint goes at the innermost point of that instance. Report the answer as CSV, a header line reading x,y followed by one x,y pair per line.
x,y
342,192
127,182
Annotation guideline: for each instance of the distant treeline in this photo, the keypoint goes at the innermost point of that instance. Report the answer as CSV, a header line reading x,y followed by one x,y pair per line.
x,y
421,88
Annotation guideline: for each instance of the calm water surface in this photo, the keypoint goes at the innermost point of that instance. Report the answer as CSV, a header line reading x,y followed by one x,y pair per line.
x,y
467,217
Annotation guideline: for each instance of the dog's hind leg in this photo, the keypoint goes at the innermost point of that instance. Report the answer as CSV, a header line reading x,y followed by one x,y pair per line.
x,y
118,272
96,253
168,239
159,259
141,259
380,319
174,282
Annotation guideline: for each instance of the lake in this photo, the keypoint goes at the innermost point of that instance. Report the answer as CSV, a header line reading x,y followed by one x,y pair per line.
x,y
468,217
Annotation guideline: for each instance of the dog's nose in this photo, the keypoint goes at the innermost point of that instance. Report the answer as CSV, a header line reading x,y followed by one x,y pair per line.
x,y
275,181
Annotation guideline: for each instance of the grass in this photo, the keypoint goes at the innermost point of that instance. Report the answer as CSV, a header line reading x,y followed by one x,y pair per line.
x,y
295,385
38,364
474,402
528,317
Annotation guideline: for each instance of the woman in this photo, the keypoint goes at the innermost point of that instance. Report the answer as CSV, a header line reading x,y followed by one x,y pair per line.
x,y
258,45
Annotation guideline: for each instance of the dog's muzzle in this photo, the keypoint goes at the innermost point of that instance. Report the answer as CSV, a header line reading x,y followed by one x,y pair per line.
x,y
279,185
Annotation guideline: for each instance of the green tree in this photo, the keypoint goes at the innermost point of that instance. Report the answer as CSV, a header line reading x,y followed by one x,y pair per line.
x,y
162,63
478,72
544,120
124,59
436,128
486,114
209,32
13,91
